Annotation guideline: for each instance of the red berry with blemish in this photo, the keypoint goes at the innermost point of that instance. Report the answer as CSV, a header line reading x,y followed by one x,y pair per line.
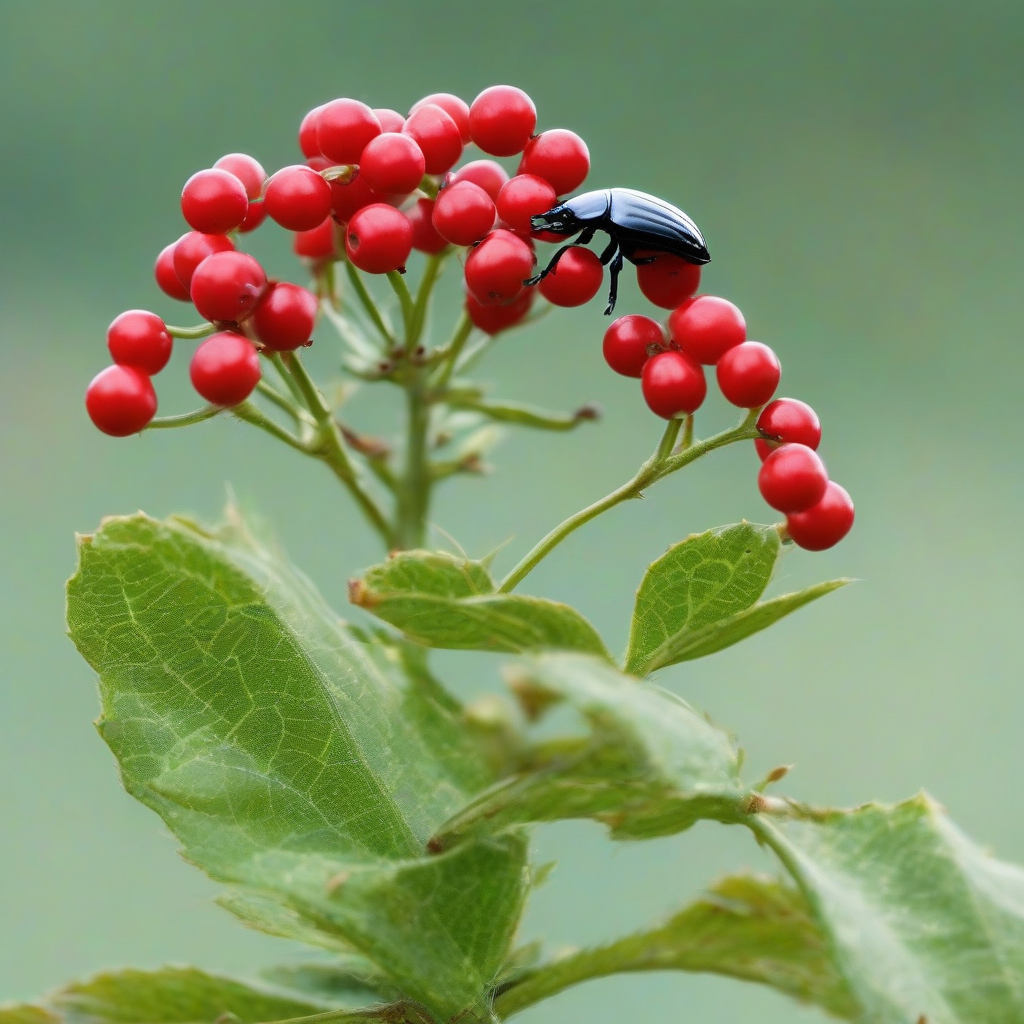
x,y
120,400
498,266
523,197
227,285
825,524
706,327
575,280
393,163
139,338
192,248
667,281
297,198
787,421
285,317
502,119
214,201
748,374
437,135
343,128
463,213
628,343
792,478
673,384
488,174
379,239
560,157
225,369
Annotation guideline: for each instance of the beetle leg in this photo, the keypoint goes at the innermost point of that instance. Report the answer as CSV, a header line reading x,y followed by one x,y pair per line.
x,y
609,251
613,269
585,236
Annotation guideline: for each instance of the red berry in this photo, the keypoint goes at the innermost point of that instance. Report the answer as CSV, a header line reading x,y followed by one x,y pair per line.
x,y
166,278
575,280
626,343
393,163
488,174
120,400
225,369
192,248
379,239
495,319
463,213
347,197
457,109
560,157
317,243
792,478
140,339
285,317
214,201
825,524
424,235
498,266
390,120
787,421
254,218
668,280
343,128
706,327
227,286
308,133
297,198
521,198
502,119
673,384
437,135
748,374
252,176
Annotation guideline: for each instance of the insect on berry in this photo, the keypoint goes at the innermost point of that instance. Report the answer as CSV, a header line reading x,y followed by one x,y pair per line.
x,y
225,369
792,478
576,280
706,327
120,400
437,135
393,163
343,128
667,280
379,239
825,524
628,343
317,243
488,174
192,248
787,421
227,285
748,374
502,119
673,384
457,109
523,198
139,338
496,268
285,317
214,201
493,319
463,213
166,277
560,157
297,198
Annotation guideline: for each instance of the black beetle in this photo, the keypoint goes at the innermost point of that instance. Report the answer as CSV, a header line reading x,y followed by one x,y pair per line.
x,y
634,222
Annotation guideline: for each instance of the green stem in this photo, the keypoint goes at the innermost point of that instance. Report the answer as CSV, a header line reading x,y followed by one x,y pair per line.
x,y
282,402
401,289
249,413
289,380
463,329
201,331
185,419
366,299
423,293
658,466
416,482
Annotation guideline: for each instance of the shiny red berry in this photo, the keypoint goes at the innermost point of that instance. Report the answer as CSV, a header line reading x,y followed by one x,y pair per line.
x,y
494,319
437,135
628,341
227,285
393,164
317,243
502,119
390,120
787,421
523,197
250,173
347,197
575,280
748,374
285,317
463,213
824,524
192,248
297,198
457,109
667,280
139,338
166,277
225,369
498,266
560,157
214,201
120,400
307,133
343,128
673,384
379,239
792,478
488,174
706,327
424,235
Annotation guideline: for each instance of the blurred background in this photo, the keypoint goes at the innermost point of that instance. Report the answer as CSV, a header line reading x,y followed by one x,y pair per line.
x,y
856,169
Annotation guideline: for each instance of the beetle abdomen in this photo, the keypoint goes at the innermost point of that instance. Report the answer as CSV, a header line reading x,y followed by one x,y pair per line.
x,y
643,221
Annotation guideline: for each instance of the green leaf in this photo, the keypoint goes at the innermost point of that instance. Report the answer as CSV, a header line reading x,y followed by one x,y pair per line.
x,y
716,636
439,600
746,927
649,766
351,981
24,1013
922,923
302,767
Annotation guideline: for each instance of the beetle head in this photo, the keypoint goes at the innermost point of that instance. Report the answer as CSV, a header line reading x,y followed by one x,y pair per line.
x,y
559,220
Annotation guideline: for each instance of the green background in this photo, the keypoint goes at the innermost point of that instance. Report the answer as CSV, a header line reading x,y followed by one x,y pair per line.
x,y
857,171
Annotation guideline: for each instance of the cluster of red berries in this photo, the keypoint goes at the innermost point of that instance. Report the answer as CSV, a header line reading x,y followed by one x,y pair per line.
x,y
705,330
